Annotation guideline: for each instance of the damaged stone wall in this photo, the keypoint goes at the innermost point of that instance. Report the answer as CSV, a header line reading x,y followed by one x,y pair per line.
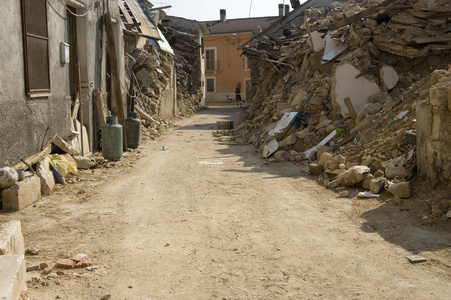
x,y
434,129
183,36
344,83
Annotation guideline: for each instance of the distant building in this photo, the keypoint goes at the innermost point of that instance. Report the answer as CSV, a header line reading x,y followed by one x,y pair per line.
x,y
225,67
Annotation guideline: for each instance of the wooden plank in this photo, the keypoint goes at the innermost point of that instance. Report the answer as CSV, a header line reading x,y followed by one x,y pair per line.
x,y
351,110
345,140
125,12
31,160
144,115
76,107
60,143
115,74
100,105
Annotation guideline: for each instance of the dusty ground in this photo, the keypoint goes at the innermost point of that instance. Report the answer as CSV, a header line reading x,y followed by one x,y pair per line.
x,y
178,224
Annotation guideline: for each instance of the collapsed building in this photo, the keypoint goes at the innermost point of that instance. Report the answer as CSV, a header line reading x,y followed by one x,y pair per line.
x,y
360,89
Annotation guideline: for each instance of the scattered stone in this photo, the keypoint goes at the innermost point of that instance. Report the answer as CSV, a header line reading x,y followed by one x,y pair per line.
x,y
396,172
344,193
416,259
379,173
48,270
32,268
31,252
350,177
315,169
366,182
65,263
400,189
43,265
377,185
282,156
324,158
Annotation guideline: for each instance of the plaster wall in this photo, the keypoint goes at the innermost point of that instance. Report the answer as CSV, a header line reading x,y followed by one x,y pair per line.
x,y
230,65
26,123
168,103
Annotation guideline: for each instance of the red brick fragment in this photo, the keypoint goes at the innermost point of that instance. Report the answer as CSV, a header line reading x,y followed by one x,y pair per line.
x,y
80,263
60,273
65,263
86,263
76,259
43,265
48,270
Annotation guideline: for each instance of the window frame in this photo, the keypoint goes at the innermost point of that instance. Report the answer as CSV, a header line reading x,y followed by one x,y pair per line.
x,y
27,36
214,59
214,84
246,63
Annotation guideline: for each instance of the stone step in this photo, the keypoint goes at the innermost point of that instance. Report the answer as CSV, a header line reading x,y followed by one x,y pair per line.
x,y
11,239
12,276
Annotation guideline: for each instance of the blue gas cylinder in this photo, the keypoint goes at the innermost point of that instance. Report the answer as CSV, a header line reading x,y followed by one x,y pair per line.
x,y
133,130
112,143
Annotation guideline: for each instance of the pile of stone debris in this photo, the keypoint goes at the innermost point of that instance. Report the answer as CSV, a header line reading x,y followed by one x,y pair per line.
x,y
342,91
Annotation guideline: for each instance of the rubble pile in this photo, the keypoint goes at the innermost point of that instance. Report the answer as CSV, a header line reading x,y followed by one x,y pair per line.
x,y
341,90
187,66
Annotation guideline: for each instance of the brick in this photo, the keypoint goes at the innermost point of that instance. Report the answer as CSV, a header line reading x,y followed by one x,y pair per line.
x,y
22,194
11,239
48,270
12,275
65,263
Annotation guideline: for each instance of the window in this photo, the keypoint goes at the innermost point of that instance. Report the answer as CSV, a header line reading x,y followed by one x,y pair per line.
x,y
246,63
36,46
211,84
210,59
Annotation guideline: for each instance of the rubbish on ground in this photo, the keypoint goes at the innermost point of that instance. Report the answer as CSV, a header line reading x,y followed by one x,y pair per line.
x,y
367,195
211,162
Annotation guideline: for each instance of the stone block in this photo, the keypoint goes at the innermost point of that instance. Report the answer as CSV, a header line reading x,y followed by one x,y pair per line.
x,y
282,156
11,238
46,176
326,156
315,169
12,276
438,96
291,139
83,162
22,194
377,185
395,172
400,189
353,176
366,182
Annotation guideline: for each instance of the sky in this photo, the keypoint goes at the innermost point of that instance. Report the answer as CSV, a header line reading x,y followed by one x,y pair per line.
x,y
208,10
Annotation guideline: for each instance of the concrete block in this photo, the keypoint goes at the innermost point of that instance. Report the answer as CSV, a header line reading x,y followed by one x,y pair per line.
x,y
11,238
12,276
46,177
22,194
315,169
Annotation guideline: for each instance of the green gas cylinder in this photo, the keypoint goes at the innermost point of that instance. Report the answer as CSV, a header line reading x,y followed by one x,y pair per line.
x,y
133,130
112,143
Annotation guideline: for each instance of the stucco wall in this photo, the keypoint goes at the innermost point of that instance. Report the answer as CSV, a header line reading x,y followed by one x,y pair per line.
x,y
230,65
24,120
28,122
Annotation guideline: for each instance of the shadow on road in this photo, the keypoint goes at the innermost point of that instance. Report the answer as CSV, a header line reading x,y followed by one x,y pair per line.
x,y
395,226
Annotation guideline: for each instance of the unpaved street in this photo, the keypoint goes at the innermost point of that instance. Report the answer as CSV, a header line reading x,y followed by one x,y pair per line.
x,y
209,220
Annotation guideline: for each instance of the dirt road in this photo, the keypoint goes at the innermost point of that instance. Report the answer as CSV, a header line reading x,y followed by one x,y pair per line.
x,y
210,220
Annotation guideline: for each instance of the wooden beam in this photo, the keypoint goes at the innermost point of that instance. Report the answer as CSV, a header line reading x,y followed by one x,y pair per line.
x,y
351,110
115,75
100,105
31,160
